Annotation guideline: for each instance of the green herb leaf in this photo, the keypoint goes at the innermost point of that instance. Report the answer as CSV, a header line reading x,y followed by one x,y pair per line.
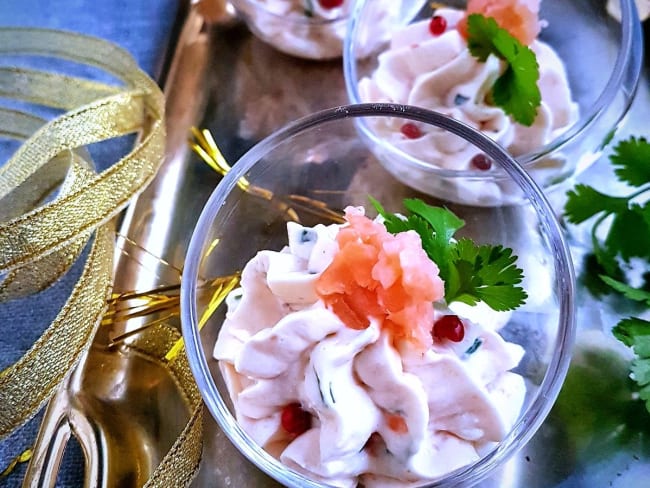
x,y
584,202
490,273
444,223
629,235
481,34
392,222
515,90
635,333
590,276
608,261
627,291
471,273
631,158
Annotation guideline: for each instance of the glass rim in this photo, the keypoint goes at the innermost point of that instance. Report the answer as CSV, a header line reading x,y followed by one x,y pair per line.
x,y
631,36
291,19
549,387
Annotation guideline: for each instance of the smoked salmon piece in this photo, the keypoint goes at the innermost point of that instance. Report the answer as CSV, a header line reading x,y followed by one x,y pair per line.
x,y
381,276
519,17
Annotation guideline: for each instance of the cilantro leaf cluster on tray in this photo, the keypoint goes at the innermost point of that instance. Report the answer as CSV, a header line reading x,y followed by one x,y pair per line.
x,y
471,272
626,239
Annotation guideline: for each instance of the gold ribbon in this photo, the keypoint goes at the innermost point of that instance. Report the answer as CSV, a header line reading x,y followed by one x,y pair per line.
x,y
40,241
23,198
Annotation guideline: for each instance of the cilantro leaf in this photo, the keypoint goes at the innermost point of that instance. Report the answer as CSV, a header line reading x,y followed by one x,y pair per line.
x,y
436,227
502,297
515,90
631,159
590,277
645,212
490,273
584,202
393,223
444,223
641,372
607,259
498,265
629,235
626,290
481,34
516,96
635,333
471,273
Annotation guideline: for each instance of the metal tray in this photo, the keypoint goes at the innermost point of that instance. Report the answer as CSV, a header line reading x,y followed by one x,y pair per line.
x,y
227,81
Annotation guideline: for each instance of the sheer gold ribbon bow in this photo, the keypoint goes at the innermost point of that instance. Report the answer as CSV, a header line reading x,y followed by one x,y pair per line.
x,y
40,241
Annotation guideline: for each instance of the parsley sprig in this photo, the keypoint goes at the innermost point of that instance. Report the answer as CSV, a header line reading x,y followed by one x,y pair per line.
x,y
515,90
627,238
471,272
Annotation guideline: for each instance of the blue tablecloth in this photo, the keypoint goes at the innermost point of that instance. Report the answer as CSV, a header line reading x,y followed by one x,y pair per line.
x,y
144,28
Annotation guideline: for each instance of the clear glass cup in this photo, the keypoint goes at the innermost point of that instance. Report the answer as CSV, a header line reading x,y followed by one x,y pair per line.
x,y
297,28
306,28
322,161
602,57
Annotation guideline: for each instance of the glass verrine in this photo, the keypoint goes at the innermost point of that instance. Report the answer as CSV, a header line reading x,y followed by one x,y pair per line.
x,y
310,29
314,168
601,59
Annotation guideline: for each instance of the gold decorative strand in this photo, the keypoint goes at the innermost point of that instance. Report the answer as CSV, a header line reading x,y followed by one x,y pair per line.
x,y
23,457
133,304
206,148
164,299
437,5
168,266
222,286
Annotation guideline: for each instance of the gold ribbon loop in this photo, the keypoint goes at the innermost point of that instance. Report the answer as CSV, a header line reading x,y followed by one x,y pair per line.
x,y
18,125
43,272
82,49
29,242
68,167
27,384
44,230
38,243
52,90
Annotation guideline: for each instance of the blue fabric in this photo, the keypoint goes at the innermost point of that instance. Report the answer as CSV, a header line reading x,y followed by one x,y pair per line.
x,y
144,28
